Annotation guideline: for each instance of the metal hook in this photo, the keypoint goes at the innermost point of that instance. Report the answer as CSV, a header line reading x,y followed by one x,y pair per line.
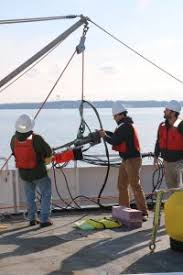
x,y
81,46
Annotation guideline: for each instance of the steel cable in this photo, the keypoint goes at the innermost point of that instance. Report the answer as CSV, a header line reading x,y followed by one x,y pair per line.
x,y
138,53
45,100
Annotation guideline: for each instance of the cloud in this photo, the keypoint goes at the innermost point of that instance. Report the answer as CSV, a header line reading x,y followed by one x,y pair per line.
x,y
109,72
143,4
109,69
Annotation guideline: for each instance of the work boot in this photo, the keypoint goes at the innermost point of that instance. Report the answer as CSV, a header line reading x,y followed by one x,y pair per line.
x,y
34,222
145,218
45,224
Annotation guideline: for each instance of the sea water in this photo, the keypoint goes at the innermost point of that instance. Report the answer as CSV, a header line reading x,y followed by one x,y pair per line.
x,y
60,126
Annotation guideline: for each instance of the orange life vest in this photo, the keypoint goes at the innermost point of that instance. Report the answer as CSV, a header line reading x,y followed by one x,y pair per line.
x,y
170,139
25,155
122,148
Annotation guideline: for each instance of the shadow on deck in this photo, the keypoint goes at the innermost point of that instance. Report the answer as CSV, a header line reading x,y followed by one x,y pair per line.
x,y
62,249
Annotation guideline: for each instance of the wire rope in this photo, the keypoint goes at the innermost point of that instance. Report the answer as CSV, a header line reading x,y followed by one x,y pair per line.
x,y
137,53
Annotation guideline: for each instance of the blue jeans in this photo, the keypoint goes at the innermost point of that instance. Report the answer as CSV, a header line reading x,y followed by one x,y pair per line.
x,y
44,186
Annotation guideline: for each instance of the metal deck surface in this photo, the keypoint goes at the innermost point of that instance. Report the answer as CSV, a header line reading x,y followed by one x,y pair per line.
x,y
62,249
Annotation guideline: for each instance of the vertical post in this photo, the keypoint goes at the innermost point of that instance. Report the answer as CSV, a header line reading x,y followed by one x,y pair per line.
x,y
14,184
77,180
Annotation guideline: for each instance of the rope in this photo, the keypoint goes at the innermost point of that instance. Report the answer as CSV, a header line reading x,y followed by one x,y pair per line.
x,y
83,70
45,100
156,220
138,53
5,162
157,212
80,49
36,19
4,88
82,123
54,85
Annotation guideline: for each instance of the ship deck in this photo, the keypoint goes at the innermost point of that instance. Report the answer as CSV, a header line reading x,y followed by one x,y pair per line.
x,y
62,249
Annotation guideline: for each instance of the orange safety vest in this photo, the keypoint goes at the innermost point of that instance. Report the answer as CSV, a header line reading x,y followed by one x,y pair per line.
x,y
122,147
25,155
170,139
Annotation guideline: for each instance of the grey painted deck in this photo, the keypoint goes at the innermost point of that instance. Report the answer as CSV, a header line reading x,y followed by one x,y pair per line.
x,y
62,249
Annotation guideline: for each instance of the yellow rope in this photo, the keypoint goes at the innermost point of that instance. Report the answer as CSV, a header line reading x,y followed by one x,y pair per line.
x,y
156,220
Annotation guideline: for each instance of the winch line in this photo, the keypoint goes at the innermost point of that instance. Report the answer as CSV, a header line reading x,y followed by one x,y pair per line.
x,y
57,81
27,20
6,162
31,67
137,53
82,81
41,107
82,123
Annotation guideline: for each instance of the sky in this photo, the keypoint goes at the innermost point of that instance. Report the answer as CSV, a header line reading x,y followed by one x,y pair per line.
x,y
111,71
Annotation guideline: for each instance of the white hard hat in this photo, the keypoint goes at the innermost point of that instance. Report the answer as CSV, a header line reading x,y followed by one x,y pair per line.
x,y
118,108
174,105
24,124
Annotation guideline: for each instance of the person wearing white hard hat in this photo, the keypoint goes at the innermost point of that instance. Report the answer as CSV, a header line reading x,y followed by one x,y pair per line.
x,y
125,141
31,154
169,144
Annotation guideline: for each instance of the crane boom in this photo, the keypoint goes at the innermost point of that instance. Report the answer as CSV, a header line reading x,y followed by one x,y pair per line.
x,y
43,51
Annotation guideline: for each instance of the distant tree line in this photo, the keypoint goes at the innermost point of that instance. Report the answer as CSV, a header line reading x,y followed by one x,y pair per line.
x,y
68,104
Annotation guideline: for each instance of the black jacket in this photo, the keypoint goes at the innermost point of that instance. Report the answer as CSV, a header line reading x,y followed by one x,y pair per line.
x,y
124,133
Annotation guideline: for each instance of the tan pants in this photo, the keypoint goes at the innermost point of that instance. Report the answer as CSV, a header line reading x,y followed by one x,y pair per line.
x,y
172,173
129,174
